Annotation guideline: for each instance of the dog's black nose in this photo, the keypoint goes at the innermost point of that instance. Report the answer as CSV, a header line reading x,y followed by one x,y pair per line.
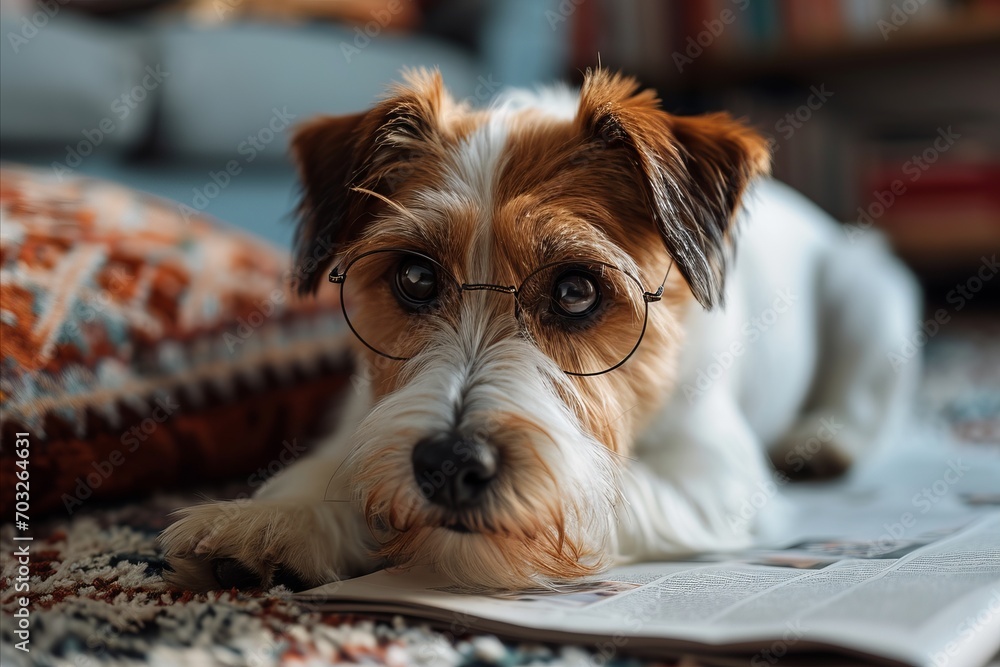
x,y
453,471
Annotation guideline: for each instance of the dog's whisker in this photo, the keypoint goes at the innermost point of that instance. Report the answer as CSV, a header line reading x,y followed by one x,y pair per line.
x,y
620,415
399,208
350,454
622,456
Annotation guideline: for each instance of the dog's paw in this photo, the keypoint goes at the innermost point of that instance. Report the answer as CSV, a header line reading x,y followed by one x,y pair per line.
x,y
817,447
250,544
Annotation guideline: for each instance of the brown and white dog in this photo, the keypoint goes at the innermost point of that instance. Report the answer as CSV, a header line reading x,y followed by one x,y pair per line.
x,y
538,400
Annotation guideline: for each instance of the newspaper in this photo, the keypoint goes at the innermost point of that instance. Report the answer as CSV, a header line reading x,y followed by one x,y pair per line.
x,y
901,566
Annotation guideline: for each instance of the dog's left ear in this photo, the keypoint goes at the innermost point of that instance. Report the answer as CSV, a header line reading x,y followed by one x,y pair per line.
x,y
327,152
692,171
339,156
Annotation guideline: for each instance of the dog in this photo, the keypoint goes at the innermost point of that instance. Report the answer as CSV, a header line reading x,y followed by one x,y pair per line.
x,y
564,362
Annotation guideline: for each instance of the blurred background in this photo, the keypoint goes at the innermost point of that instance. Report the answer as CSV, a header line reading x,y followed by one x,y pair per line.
x,y
885,112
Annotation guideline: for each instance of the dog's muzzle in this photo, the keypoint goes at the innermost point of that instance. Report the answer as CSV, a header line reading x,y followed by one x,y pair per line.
x,y
452,471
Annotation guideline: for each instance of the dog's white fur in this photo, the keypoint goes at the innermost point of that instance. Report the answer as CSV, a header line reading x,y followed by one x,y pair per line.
x,y
826,313
816,316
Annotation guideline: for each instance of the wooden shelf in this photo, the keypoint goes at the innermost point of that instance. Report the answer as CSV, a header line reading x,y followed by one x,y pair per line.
x,y
943,248
959,36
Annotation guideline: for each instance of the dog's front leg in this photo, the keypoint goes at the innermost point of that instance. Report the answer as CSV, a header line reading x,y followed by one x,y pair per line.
x,y
300,528
698,468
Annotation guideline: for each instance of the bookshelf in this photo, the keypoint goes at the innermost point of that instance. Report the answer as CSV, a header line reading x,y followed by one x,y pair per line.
x,y
965,36
894,88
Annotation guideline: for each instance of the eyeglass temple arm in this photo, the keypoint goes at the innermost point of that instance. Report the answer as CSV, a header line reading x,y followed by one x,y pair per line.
x,y
651,297
336,276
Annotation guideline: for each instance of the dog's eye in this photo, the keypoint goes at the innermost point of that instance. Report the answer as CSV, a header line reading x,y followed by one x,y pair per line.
x,y
575,294
416,282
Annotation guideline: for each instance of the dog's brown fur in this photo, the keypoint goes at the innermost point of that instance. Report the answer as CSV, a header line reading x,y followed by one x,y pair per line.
x,y
567,190
621,183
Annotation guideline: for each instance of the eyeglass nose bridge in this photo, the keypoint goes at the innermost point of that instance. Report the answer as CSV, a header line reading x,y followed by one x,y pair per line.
x,y
476,287
500,289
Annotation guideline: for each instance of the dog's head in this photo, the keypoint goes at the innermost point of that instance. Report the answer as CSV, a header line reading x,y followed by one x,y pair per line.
x,y
494,262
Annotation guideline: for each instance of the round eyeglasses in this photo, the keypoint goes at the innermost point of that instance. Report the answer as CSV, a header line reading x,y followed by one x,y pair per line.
x,y
588,317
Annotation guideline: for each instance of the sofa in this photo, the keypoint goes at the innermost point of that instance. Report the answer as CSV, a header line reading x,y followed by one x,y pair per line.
x,y
202,113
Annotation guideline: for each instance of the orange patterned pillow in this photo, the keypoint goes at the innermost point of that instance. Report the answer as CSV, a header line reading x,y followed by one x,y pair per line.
x,y
142,347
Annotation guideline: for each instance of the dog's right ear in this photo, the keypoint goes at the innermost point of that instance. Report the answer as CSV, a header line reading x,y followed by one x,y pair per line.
x,y
338,155
692,172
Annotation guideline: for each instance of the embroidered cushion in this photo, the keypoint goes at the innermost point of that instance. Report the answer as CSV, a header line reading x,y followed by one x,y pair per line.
x,y
143,346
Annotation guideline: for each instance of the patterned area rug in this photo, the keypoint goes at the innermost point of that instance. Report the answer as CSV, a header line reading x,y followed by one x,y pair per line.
x,y
97,597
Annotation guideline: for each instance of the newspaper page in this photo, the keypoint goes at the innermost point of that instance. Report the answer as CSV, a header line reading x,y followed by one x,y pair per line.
x,y
907,575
